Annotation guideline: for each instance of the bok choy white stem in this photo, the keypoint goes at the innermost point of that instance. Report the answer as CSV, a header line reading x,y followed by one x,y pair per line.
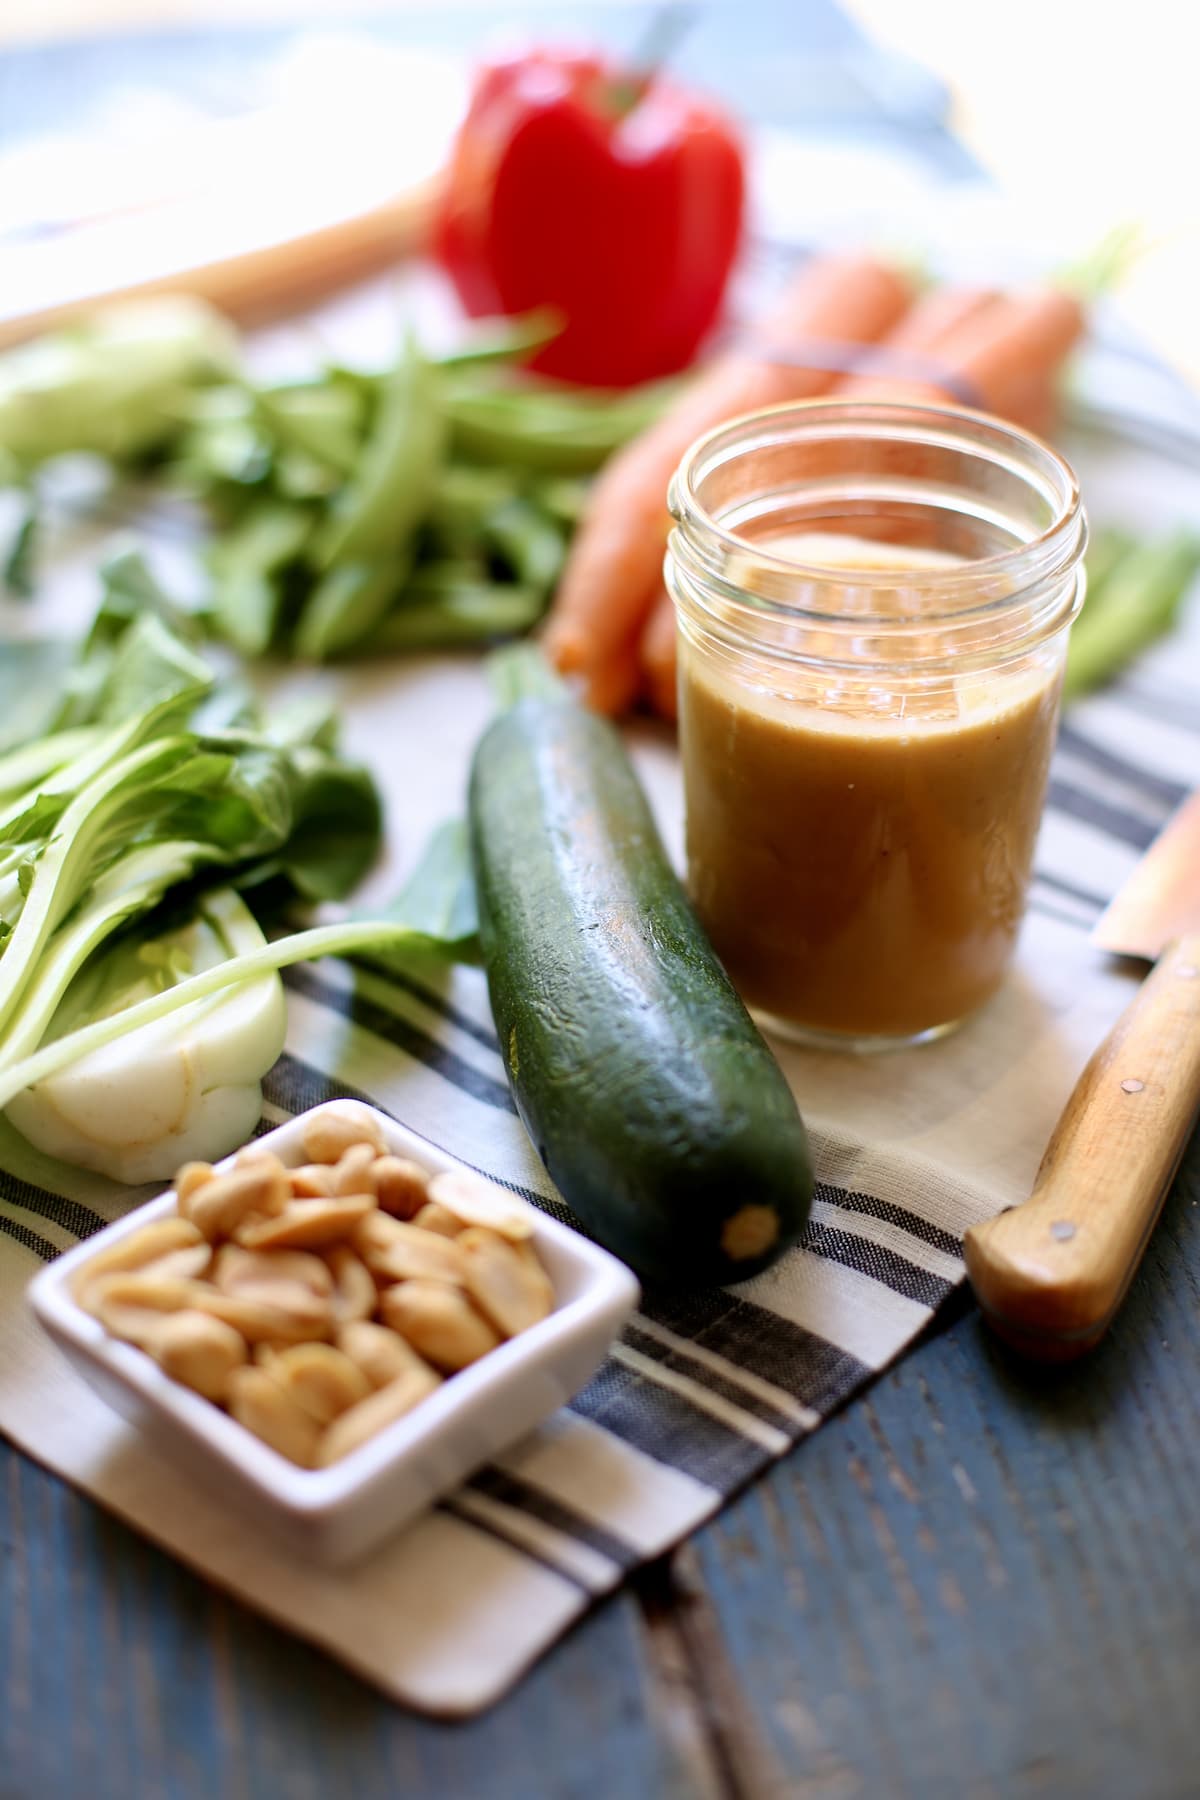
x,y
300,946
148,1100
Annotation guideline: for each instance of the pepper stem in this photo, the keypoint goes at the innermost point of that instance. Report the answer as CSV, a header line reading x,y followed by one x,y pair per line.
x,y
665,29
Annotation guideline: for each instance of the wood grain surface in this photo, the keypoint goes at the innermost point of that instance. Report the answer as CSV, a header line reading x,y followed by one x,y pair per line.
x,y
981,1581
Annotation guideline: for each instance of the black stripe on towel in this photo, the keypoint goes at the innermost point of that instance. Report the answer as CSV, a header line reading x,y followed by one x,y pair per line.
x,y
81,1221
675,1356
1085,896
1157,788
511,1490
887,1210
519,1547
812,1370
1038,903
1175,710
438,1003
294,1085
876,1260
404,1035
29,1239
669,1428
1114,821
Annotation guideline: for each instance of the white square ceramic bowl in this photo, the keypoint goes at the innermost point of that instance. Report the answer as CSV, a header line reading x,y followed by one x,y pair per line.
x,y
339,1513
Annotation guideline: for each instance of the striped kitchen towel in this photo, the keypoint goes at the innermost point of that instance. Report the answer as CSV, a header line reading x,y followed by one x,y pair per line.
x,y
704,1389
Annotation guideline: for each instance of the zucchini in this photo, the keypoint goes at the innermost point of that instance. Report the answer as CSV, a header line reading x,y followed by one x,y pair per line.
x,y
656,1106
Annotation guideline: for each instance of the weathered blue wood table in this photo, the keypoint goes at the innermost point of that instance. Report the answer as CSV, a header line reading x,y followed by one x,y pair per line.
x,y
980,1581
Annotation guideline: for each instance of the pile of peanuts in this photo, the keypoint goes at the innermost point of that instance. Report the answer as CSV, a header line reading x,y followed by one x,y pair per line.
x,y
321,1303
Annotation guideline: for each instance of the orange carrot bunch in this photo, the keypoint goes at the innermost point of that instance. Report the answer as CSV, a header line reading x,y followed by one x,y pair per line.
x,y
611,625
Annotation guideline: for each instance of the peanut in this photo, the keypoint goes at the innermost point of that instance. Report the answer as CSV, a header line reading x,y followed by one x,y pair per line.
x,y
307,1223
198,1350
400,1186
380,1354
352,1173
312,1181
332,1129
353,1285
219,1205
414,1276
527,1252
375,1413
374,1233
439,1322
258,1402
193,1175
321,1380
159,1245
477,1201
433,1217
187,1263
509,1290
239,1271
134,1306
396,1252
256,1156
289,1313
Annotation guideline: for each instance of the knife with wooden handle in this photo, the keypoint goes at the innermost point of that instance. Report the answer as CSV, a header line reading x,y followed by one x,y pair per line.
x,y
1051,1274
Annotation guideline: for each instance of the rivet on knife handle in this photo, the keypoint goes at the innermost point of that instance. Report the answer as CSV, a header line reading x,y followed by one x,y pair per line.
x,y
1050,1274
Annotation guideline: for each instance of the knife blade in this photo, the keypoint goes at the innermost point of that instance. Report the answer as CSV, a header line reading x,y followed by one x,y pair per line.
x,y
1050,1274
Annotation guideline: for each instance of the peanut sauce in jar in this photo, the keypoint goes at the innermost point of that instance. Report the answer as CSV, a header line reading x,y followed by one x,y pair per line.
x,y
870,662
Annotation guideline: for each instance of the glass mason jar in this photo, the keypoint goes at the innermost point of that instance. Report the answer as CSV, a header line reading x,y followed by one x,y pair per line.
x,y
873,604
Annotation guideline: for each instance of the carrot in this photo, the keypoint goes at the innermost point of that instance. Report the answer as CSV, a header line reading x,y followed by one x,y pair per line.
x,y
657,650
615,565
1030,335
920,337
1033,405
1004,353
613,688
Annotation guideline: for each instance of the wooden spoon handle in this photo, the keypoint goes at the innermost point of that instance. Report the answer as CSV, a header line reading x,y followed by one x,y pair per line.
x,y
259,284
1050,1274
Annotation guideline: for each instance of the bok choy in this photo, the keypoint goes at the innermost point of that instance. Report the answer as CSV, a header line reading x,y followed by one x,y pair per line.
x,y
132,819
148,1101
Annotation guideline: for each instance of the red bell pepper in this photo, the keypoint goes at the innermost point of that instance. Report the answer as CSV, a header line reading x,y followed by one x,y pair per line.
x,y
616,199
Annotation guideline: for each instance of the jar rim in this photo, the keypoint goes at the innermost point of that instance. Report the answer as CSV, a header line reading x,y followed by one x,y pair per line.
x,y
948,427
